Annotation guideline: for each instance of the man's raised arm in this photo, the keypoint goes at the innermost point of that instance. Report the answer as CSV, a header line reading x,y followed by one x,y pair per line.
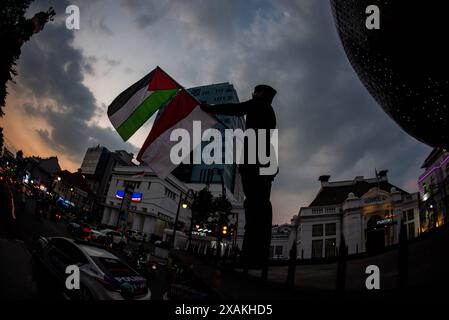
x,y
229,109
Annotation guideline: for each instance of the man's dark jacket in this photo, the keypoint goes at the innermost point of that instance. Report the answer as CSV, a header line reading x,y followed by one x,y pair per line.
x,y
259,115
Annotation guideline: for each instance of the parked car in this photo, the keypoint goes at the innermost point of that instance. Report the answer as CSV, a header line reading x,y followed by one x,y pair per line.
x,y
162,244
96,235
114,236
103,276
135,235
79,229
72,227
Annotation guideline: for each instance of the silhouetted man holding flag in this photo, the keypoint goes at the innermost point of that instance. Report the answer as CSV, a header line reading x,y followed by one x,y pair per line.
x,y
257,188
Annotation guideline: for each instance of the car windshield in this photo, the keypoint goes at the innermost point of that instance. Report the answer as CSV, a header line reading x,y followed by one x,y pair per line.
x,y
114,267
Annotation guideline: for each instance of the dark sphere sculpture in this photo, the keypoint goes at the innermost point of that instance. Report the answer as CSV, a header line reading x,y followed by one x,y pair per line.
x,y
404,63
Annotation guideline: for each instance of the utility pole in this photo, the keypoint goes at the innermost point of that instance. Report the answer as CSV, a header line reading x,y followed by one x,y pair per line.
x,y
126,200
183,202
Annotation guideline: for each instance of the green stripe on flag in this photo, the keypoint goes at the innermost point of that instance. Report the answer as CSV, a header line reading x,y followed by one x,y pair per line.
x,y
144,112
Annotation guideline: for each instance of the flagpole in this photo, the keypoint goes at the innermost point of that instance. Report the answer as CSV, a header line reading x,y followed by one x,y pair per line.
x,y
210,114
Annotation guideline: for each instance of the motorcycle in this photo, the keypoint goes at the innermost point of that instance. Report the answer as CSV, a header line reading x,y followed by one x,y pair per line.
x,y
140,262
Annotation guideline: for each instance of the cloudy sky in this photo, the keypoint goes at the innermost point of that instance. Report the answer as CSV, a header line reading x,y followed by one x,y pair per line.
x,y
328,123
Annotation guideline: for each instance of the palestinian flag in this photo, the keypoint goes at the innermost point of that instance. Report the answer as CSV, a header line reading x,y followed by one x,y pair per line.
x,y
133,107
181,112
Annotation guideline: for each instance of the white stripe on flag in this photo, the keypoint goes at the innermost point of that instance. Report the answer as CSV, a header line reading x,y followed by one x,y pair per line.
x,y
130,106
157,155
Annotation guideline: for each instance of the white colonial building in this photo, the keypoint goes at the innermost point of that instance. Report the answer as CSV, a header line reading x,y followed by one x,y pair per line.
x,y
367,212
281,242
154,204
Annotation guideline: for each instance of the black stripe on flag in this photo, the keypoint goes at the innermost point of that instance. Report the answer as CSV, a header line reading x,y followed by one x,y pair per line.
x,y
128,93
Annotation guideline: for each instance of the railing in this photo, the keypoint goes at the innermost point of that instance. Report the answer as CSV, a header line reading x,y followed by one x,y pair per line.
x,y
319,210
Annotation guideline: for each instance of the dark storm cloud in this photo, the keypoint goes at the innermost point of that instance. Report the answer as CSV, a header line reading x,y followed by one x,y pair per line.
x,y
104,27
327,121
52,70
99,25
330,107
147,12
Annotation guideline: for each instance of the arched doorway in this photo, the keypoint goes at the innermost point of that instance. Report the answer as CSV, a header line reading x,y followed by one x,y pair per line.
x,y
375,235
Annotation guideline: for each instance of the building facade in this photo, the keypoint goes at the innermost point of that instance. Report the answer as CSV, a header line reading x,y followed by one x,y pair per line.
x,y
280,242
97,167
73,191
154,202
41,171
434,190
366,212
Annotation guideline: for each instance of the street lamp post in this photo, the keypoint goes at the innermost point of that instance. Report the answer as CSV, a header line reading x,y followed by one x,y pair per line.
x,y
182,202
236,228
124,205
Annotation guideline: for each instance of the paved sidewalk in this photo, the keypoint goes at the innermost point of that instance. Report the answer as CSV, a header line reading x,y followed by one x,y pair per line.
x,y
16,281
428,265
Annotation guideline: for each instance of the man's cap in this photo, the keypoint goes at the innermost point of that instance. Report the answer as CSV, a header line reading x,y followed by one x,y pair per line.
x,y
268,91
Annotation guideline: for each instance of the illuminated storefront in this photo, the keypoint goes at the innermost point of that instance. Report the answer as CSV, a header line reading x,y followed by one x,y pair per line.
x,y
434,190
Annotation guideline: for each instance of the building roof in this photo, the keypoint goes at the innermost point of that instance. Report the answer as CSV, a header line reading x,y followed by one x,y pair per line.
x,y
51,165
47,166
432,157
75,180
336,194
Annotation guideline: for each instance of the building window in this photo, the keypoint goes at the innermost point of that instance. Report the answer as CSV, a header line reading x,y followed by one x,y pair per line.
x,y
331,229
170,194
330,248
317,249
149,185
317,230
411,230
144,209
278,251
410,215
426,190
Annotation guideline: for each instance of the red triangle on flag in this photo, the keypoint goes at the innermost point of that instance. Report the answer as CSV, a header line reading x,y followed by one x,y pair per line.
x,y
178,109
162,81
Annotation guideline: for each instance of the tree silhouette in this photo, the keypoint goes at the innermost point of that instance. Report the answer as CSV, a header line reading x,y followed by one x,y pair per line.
x,y
15,30
210,211
202,206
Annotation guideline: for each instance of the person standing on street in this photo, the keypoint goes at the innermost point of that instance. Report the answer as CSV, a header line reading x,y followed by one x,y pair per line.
x,y
257,188
7,210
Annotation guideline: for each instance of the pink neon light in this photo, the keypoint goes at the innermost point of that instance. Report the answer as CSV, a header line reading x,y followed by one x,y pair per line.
x,y
426,174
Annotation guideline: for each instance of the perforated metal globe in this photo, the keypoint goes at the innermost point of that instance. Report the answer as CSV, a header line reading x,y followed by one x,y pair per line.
x,y
404,63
